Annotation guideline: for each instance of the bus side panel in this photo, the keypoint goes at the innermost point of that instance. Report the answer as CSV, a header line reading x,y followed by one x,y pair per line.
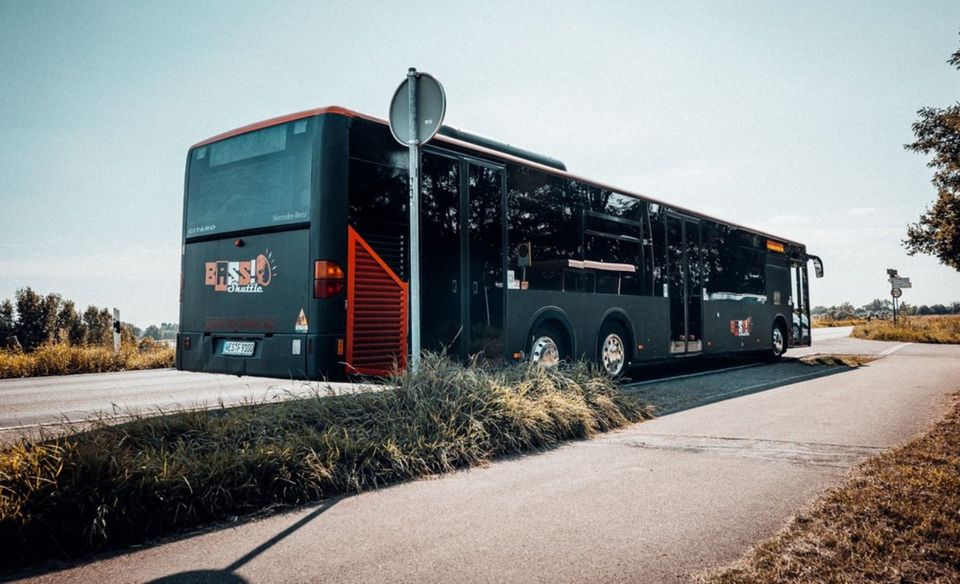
x,y
584,314
730,326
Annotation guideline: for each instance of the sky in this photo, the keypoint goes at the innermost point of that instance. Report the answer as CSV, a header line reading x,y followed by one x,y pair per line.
x,y
789,117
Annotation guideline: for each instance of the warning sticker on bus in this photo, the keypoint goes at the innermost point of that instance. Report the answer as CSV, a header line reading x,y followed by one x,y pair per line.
x,y
301,322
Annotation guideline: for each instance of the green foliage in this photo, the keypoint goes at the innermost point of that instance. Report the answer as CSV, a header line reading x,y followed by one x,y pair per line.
x,y
152,332
119,484
937,233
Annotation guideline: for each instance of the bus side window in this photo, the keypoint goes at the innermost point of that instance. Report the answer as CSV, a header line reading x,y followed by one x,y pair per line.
x,y
543,211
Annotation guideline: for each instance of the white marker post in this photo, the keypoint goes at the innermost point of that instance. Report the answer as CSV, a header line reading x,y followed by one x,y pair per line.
x,y
416,114
116,330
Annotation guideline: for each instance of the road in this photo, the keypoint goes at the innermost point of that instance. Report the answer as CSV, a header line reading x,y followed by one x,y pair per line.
x,y
655,502
49,401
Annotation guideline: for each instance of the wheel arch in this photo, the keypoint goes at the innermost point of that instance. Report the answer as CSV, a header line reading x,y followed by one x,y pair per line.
x,y
552,315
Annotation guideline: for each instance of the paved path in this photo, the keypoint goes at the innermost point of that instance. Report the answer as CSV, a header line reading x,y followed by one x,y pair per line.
x,y
652,503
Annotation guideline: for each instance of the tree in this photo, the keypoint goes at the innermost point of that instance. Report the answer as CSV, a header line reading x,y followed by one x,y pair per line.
x,y
99,325
36,317
937,233
7,322
153,332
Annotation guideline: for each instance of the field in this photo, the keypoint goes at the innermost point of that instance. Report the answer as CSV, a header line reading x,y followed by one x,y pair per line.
x,y
895,520
120,484
913,329
62,359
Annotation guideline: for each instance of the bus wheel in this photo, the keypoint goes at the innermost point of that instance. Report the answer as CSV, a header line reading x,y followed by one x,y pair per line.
x,y
547,348
779,346
612,350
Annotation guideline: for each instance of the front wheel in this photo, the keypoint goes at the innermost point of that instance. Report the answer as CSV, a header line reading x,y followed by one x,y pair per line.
x,y
779,343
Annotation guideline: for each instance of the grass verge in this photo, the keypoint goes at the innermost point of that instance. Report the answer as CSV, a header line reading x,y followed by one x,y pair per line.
x,y
837,360
829,322
126,483
913,329
896,520
63,359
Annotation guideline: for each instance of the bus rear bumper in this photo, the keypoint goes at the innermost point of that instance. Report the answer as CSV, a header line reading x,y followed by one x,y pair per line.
x,y
287,356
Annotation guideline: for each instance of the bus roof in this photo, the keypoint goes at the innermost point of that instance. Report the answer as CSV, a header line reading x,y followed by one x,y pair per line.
x,y
341,111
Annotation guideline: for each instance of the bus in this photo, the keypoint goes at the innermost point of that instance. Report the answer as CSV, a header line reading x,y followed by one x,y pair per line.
x,y
295,257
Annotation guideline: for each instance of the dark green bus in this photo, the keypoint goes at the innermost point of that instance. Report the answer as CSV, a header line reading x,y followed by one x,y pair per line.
x,y
295,259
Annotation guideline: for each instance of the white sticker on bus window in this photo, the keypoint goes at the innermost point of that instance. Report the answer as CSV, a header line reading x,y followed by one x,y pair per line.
x,y
512,282
300,127
202,153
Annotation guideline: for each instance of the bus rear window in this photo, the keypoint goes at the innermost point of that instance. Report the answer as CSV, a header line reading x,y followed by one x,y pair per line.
x,y
254,180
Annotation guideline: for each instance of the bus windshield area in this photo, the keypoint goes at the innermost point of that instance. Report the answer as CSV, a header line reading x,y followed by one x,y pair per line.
x,y
254,180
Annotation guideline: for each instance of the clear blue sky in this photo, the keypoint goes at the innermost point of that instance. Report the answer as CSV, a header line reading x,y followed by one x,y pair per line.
x,y
786,116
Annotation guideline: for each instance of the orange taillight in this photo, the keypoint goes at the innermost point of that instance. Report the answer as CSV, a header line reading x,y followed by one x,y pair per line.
x,y
327,279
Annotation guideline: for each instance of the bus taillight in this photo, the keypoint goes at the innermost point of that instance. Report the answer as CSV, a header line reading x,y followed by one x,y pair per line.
x,y
327,279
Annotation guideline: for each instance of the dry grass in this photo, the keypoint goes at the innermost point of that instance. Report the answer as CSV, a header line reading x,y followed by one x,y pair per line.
x,y
913,329
120,484
822,322
837,360
896,520
62,359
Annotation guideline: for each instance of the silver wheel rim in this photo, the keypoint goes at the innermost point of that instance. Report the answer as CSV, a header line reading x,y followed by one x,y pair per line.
x,y
612,354
545,352
777,341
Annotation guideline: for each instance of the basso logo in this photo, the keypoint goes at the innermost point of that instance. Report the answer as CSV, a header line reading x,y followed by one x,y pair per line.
x,y
244,276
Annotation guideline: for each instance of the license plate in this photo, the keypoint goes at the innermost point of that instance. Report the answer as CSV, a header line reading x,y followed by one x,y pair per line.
x,y
239,348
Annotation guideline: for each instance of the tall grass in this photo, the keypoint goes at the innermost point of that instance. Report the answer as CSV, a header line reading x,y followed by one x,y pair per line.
x,y
115,485
64,359
913,329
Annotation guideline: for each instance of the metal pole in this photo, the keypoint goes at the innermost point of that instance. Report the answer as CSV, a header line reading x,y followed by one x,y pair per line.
x,y
413,144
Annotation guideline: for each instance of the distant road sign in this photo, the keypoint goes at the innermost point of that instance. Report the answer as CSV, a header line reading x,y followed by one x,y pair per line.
x,y
896,293
898,282
430,106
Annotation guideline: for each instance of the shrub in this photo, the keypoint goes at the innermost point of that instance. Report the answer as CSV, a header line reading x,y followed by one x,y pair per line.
x,y
115,485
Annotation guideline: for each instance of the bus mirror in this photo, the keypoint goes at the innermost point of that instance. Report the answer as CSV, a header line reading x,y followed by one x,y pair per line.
x,y
817,266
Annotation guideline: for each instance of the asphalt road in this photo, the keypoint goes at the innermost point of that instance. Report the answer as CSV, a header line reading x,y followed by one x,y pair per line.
x,y
655,502
50,401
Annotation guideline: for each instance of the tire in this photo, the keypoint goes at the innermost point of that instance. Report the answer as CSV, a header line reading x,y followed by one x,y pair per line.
x,y
612,349
547,346
778,347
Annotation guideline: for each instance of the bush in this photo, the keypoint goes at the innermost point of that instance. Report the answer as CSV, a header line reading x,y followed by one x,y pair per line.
x,y
115,485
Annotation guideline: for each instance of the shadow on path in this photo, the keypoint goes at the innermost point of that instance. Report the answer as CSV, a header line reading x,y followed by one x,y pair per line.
x,y
705,386
227,575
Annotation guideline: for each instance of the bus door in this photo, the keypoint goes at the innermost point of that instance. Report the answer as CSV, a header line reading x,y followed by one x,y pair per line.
x,y
684,284
484,247
800,304
461,256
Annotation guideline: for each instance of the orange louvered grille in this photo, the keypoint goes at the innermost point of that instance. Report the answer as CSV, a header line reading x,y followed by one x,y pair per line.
x,y
376,312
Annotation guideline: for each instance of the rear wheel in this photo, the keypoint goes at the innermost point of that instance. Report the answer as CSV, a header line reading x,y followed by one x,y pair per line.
x,y
778,343
547,347
612,349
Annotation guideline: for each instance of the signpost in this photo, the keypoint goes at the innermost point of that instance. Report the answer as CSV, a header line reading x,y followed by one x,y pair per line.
x,y
897,284
416,114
